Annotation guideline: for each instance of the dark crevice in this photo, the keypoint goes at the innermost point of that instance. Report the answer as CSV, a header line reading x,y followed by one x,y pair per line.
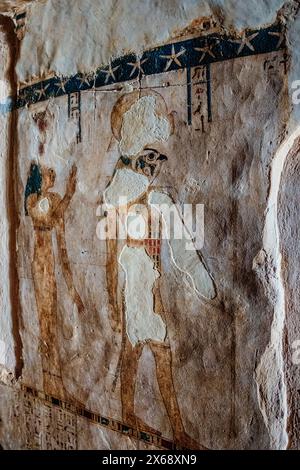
x,y
7,27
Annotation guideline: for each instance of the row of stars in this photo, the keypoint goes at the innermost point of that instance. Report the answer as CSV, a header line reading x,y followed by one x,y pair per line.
x,y
173,57
87,79
244,41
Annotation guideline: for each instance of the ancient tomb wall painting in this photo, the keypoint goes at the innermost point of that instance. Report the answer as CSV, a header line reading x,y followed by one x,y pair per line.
x,y
182,123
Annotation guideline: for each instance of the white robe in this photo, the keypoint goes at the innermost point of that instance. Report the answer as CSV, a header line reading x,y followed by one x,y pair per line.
x,y
142,323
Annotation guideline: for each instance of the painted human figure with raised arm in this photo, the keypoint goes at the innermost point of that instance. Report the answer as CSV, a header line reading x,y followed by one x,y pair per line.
x,y
140,122
47,210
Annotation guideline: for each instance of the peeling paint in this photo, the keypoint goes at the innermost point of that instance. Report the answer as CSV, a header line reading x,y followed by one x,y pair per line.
x,y
125,187
141,322
141,125
187,261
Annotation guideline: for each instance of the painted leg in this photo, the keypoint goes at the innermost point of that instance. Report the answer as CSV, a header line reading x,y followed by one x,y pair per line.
x,y
163,362
131,357
52,375
45,292
53,384
51,369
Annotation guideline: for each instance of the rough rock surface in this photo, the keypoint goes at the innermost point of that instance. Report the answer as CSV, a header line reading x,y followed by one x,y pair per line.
x,y
140,342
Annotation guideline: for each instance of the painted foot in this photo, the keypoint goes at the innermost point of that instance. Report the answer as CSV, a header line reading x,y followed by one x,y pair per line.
x,y
140,425
184,441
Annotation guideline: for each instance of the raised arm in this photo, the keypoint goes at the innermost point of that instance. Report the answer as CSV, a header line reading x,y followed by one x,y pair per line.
x,y
70,190
65,263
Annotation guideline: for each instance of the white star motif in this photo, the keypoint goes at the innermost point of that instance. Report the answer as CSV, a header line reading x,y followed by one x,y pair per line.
x,y
110,72
42,91
245,41
205,50
280,38
137,66
173,57
84,79
61,85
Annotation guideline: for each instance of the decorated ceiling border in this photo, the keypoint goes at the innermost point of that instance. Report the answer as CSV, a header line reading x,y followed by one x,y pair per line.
x,y
184,54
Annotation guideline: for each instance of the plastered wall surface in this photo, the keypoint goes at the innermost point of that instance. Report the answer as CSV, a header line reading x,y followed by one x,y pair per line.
x,y
111,110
